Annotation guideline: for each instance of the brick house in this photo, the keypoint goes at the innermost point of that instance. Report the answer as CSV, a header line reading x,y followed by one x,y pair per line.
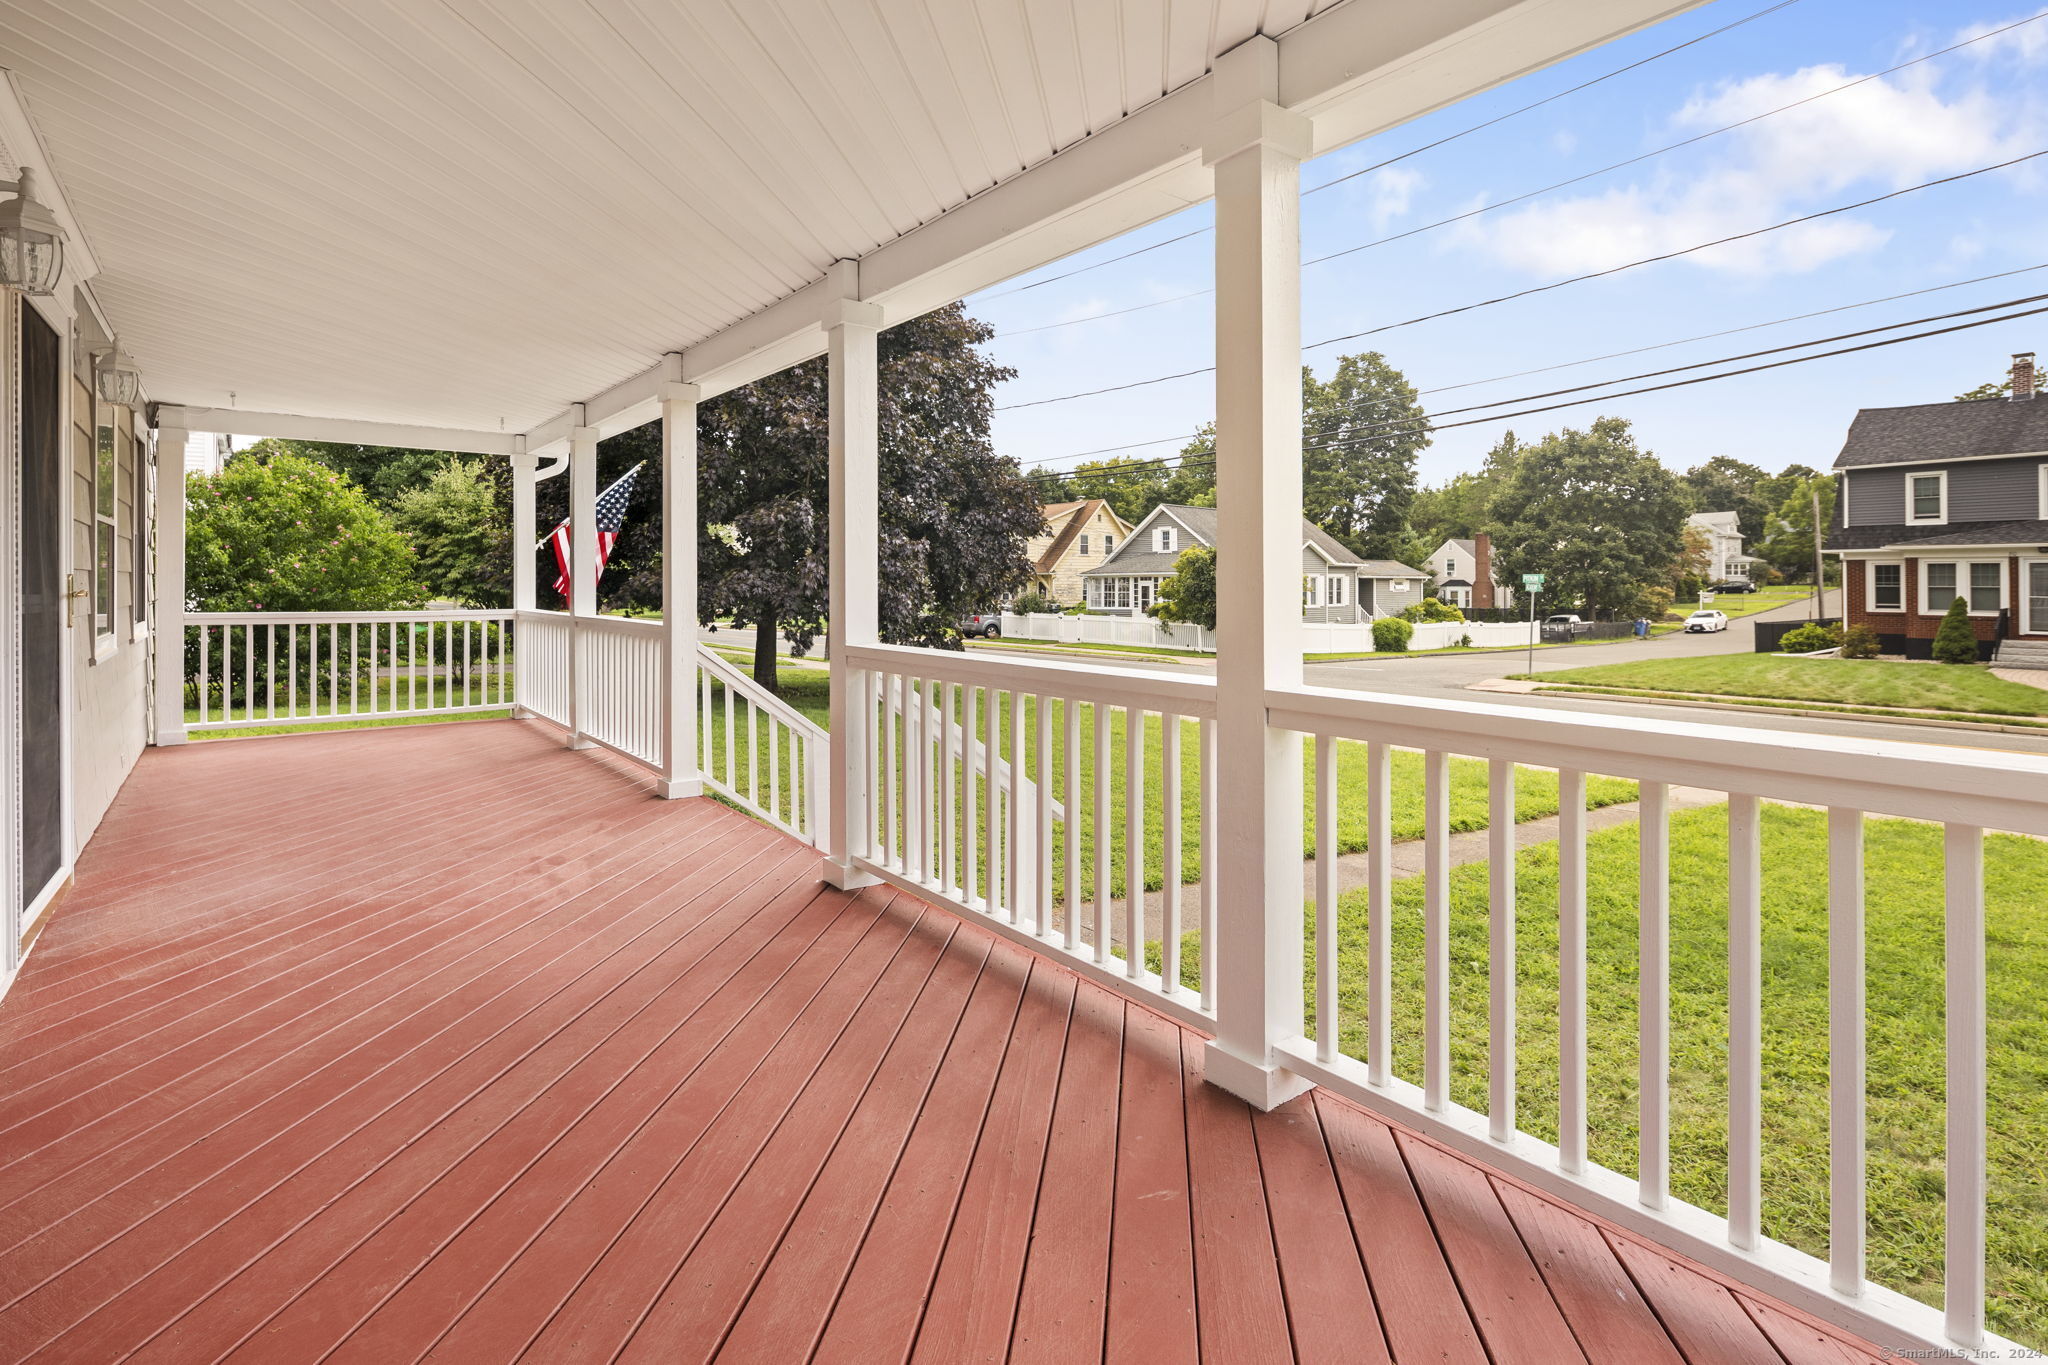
x,y
1078,536
1945,499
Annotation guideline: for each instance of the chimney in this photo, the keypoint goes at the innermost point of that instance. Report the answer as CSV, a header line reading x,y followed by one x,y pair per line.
x,y
1482,570
2023,376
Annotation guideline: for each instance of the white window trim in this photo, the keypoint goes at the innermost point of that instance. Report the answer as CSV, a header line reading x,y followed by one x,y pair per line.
x,y
1870,586
1336,593
2041,503
1164,540
1084,543
1963,585
1942,519
1311,590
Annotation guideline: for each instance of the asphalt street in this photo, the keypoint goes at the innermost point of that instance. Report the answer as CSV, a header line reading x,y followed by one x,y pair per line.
x,y
1452,675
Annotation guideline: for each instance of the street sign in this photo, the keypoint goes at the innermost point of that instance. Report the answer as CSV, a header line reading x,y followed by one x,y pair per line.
x,y
1705,598
1532,582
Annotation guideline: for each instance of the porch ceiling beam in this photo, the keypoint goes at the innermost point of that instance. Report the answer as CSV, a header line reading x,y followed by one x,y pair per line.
x,y
1354,70
292,426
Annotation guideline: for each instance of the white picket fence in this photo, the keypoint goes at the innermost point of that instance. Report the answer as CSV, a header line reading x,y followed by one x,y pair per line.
x,y
1318,637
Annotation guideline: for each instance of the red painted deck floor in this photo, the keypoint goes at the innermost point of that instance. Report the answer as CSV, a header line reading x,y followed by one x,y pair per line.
x,y
444,1043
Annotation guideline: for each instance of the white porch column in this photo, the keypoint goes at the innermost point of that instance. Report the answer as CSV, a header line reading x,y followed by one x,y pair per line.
x,y
582,564
853,603
524,537
1256,148
168,581
679,774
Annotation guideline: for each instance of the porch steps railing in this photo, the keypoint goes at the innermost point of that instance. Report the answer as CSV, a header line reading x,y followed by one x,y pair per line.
x,y
759,752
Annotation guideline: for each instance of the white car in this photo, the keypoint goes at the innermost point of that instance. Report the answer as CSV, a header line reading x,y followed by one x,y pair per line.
x,y
1701,621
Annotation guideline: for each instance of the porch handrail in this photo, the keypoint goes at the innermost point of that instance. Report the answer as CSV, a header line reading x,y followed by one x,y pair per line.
x,y
1190,695
243,618
791,794
1965,791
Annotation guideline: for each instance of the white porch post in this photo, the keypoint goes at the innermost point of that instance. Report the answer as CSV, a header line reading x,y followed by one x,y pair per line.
x,y
582,564
168,580
853,603
679,774
1256,148
524,538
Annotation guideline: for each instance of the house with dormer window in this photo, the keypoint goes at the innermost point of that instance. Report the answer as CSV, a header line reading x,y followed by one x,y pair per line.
x,y
1336,585
1077,537
1947,500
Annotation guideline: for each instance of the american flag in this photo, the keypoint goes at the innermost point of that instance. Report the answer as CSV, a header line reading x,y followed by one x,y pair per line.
x,y
611,514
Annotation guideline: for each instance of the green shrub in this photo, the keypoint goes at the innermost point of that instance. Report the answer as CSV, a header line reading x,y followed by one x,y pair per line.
x,y
1859,642
1809,638
1034,602
1390,635
1432,609
1955,642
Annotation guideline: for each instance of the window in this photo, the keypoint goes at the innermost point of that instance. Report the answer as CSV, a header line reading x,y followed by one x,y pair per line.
x,y
1982,583
144,469
2042,508
1887,587
105,485
1927,497
1987,587
1146,588
1084,542
1123,592
1311,590
1941,589
1450,567
1337,590
1108,544
1162,539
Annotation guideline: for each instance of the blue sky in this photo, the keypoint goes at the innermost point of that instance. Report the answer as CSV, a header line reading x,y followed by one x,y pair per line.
x,y
1980,105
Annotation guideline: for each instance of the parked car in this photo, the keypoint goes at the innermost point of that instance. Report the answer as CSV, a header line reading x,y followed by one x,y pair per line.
x,y
986,624
1735,585
1564,626
1706,620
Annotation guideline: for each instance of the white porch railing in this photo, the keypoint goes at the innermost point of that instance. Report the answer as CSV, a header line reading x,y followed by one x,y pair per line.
x,y
758,751
249,669
1965,792
617,697
543,663
969,756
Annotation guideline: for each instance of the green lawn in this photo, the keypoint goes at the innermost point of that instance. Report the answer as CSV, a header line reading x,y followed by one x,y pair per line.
x,y
1857,682
1739,604
808,691
1904,1033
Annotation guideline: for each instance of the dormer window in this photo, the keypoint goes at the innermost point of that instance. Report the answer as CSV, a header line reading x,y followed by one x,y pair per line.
x,y
1163,539
1927,497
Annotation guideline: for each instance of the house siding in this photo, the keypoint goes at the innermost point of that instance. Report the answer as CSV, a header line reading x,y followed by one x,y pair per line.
x,y
1978,490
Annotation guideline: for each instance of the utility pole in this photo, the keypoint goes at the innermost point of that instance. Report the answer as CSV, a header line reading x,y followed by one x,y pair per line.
x,y
1819,572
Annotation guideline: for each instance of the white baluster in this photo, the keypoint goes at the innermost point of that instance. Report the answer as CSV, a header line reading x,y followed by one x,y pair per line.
x,y
1745,1022
1209,899
1379,891
1963,1207
1571,970
1436,929
1070,828
1169,853
1134,842
1103,845
1845,1050
1326,898
1653,1002
1042,835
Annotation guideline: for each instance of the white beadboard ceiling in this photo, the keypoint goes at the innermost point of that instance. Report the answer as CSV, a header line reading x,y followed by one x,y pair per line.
x,y
469,213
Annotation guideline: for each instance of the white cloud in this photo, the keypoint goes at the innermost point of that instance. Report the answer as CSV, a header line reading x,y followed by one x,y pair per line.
x,y
1389,193
1564,142
1878,136
2028,42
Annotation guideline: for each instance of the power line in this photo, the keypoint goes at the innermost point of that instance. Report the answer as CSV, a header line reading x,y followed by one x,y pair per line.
x,y
1548,99
1536,193
1429,423
1683,251
1617,355
1671,147
1571,280
1501,118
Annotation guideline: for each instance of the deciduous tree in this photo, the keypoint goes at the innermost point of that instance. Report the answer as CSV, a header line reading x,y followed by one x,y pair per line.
x,y
1189,593
1362,429
274,531
954,516
1593,513
461,534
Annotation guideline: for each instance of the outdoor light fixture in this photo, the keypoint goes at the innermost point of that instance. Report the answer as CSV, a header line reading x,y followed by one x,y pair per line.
x,y
31,240
116,378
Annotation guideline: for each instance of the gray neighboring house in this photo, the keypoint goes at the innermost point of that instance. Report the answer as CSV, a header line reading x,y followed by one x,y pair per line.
x,y
1337,585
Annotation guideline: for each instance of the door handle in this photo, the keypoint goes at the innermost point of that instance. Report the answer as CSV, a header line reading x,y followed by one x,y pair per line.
x,y
71,596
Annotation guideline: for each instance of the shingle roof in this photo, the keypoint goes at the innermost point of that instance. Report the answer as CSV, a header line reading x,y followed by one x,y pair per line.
x,y
1972,533
1135,555
1945,431
1083,513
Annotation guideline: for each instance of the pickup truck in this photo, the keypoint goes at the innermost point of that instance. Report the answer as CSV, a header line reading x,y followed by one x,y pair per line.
x,y
1564,627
